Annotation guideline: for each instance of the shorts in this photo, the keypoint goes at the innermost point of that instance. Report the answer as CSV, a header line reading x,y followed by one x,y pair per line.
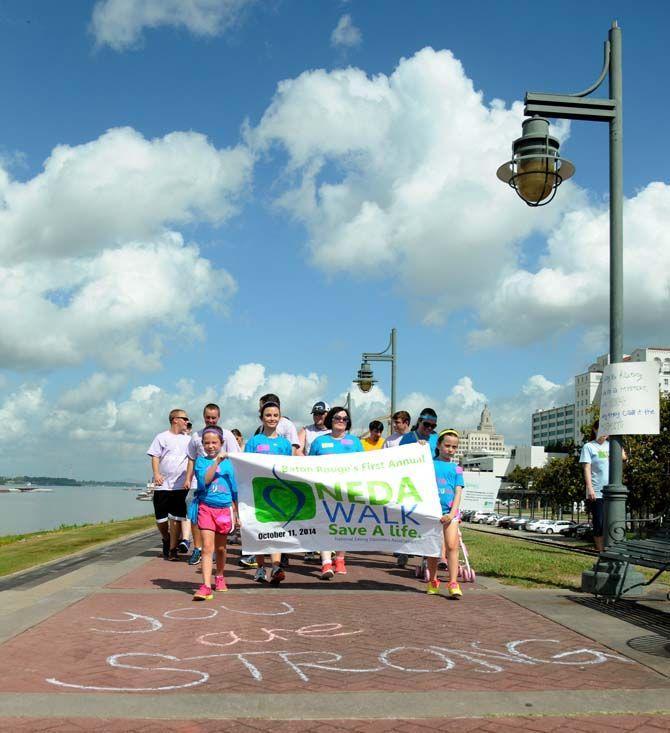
x,y
217,519
169,504
596,508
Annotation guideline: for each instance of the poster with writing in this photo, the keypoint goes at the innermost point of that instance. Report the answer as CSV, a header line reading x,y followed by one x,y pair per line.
x,y
629,399
480,491
382,501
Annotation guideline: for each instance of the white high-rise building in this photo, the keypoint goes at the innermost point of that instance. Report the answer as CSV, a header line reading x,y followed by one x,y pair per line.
x,y
552,426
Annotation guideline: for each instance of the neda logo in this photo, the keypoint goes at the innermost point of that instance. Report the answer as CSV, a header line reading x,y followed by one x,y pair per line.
x,y
278,500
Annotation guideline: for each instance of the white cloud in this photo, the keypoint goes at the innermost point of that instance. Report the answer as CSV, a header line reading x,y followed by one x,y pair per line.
x,y
121,23
89,264
571,286
117,188
91,391
345,33
411,190
117,307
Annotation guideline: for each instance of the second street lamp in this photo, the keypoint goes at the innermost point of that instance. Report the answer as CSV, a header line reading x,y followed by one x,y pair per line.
x,y
366,380
538,162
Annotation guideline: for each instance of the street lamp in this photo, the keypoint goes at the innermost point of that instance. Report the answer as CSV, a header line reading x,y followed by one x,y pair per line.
x,y
535,172
366,379
536,169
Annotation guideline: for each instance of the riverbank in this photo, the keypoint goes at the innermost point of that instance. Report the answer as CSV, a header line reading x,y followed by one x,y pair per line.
x,y
22,551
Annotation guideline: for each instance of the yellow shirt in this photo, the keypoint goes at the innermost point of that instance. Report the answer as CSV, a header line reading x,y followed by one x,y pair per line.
x,y
368,445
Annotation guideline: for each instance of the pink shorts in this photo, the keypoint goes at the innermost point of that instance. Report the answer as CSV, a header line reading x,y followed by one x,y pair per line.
x,y
215,518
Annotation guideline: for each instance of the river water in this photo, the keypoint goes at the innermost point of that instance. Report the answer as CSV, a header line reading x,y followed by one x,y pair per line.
x,y
33,512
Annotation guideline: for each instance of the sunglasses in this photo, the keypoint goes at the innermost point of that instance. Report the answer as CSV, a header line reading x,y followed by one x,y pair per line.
x,y
340,418
181,417
431,425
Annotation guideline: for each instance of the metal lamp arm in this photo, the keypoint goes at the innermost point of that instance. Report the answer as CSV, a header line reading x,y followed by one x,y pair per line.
x,y
601,78
378,355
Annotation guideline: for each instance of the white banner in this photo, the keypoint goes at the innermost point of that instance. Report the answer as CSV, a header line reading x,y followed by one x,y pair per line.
x,y
629,399
381,501
480,491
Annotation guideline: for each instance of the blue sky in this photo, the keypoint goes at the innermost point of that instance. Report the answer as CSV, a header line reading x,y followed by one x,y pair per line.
x,y
273,197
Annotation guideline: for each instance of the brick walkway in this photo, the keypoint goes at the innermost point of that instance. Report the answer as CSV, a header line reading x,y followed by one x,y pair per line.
x,y
373,632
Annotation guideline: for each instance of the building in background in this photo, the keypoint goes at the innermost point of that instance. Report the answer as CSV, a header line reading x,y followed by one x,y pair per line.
x,y
553,426
484,441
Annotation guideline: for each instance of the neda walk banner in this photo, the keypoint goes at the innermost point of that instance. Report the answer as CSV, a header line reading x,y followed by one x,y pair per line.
x,y
378,501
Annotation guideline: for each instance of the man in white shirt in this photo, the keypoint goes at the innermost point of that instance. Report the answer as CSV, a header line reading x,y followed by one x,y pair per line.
x,y
169,459
211,415
310,432
400,421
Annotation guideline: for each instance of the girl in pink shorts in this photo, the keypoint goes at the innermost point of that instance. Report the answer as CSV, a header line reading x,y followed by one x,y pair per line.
x,y
216,498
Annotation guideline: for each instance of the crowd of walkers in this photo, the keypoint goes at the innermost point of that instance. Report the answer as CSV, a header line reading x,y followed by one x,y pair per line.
x,y
195,491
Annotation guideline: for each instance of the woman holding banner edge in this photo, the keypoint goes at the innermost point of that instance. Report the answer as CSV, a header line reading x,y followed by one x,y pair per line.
x,y
338,421
269,442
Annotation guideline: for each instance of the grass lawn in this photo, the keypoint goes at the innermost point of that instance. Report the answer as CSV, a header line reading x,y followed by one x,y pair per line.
x,y
21,551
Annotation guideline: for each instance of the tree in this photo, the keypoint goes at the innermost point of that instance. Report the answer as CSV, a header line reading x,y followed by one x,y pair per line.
x,y
647,470
560,482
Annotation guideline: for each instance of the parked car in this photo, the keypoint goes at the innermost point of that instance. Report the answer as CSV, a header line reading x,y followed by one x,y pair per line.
x,y
583,531
467,515
519,523
493,518
480,517
532,526
500,522
506,522
555,527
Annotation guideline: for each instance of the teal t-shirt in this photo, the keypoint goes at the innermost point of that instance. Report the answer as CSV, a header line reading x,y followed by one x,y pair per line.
x,y
264,445
326,445
599,457
222,490
413,437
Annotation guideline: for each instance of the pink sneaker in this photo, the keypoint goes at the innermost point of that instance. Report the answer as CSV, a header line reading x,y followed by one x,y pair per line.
x,y
340,567
220,583
204,593
327,571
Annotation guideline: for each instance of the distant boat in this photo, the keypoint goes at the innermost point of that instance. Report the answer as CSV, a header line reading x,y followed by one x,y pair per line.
x,y
148,493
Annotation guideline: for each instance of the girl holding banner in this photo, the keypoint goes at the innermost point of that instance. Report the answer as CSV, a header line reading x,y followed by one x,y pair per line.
x,y
338,421
214,508
449,478
269,442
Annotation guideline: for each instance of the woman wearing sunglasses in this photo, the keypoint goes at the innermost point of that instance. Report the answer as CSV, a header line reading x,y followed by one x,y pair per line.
x,y
340,440
424,430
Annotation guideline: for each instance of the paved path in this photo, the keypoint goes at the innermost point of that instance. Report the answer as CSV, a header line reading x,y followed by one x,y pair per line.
x,y
116,644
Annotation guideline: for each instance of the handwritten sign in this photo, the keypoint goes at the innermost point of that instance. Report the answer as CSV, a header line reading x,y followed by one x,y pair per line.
x,y
480,491
629,400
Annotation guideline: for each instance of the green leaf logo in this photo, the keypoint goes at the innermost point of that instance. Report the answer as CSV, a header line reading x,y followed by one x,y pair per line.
x,y
279,500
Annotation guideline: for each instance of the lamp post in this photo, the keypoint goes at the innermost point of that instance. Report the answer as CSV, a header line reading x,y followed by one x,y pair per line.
x,y
535,172
365,378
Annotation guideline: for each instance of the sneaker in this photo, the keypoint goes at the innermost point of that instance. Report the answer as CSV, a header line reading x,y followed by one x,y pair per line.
x,y
204,593
340,567
166,549
433,588
401,560
174,555
442,565
248,561
327,571
284,560
220,583
183,547
277,575
260,576
455,590
196,556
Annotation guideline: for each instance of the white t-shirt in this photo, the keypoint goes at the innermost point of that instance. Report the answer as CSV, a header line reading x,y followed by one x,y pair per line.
x,y
171,450
311,434
195,449
393,440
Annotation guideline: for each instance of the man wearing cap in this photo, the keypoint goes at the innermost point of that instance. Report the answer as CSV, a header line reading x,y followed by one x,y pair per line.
x,y
310,432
